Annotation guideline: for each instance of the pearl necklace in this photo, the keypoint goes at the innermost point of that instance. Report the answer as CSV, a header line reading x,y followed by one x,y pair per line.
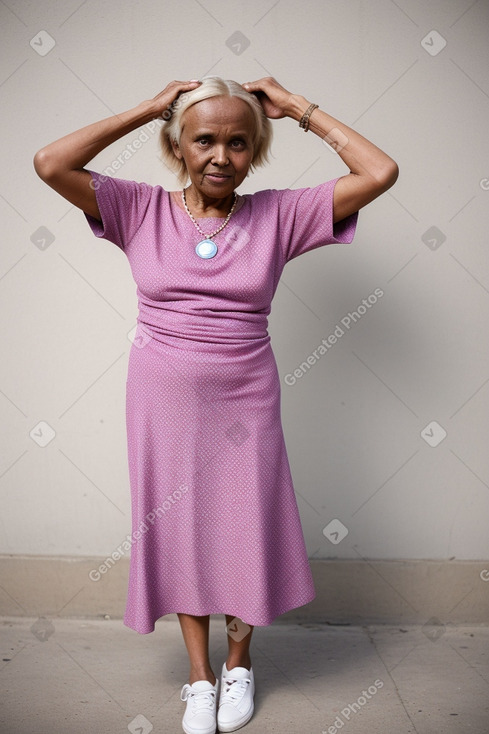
x,y
206,248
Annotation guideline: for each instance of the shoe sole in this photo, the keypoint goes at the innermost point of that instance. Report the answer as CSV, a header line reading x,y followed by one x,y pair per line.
x,y
234,727
196,731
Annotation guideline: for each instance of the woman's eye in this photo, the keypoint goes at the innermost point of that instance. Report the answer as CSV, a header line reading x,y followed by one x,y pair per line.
x,y
205,142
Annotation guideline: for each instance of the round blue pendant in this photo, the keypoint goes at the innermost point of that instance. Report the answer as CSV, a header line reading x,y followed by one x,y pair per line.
x,y
206,249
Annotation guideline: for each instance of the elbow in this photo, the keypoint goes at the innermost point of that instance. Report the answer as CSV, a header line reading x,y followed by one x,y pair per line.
x,y
42,164
389,175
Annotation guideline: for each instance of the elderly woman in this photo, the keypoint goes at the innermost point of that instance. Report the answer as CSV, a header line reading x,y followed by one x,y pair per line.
x,y
215,523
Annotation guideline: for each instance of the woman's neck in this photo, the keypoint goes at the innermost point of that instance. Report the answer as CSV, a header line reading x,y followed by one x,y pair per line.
x,y
203,206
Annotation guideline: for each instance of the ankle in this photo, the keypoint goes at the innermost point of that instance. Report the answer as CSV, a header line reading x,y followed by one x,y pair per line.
x,y
238,662
201,674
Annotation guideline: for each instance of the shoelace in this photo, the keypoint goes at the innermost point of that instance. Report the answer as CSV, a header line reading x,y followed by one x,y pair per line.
x,y
201,700
233,689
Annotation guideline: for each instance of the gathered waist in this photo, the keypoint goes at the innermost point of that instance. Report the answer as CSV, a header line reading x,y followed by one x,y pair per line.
x,y
203,330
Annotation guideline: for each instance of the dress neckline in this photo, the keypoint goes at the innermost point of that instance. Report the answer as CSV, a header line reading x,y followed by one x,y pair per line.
x,y
175,199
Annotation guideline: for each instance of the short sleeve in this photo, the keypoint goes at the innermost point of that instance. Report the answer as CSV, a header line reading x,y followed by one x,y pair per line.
x,y
122,205
306,220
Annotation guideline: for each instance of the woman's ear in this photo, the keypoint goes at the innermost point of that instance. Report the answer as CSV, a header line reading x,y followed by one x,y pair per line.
x,y
176,149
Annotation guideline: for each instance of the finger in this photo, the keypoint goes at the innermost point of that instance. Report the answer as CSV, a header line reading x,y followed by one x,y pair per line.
x,y
182,87
175,87
191,82
187,81
252,86
264,80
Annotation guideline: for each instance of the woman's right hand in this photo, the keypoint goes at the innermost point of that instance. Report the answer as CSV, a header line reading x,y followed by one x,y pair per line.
x,y
163,103
61,164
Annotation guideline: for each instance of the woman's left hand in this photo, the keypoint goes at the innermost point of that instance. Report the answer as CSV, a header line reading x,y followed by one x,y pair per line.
x,y
276,101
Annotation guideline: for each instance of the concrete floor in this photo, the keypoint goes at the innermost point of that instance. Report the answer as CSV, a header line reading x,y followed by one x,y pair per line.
x,y
65,676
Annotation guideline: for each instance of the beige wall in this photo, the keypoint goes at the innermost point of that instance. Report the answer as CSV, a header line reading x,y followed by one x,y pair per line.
x,y
355,421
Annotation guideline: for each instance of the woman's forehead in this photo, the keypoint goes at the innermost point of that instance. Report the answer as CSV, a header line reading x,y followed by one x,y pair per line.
x,y
216,111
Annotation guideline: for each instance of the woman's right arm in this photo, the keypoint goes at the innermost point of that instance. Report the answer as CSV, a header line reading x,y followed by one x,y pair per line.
x,y
61,163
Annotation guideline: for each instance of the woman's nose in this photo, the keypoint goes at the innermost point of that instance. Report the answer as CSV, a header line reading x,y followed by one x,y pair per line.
x,y
220,157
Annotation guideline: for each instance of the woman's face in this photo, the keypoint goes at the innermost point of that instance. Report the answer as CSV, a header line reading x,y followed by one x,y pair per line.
x,y
216,144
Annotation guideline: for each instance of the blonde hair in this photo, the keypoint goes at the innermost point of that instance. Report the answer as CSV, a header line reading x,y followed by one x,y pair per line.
x,y
213,86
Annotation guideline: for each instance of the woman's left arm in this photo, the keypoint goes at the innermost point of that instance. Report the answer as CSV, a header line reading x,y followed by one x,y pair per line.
x,y
372,172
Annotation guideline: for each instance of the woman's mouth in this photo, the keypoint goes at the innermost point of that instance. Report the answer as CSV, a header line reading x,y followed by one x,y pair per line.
x,y
217,178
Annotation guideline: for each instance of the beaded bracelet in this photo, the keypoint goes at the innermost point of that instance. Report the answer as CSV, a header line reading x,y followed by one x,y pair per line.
x,y
304,121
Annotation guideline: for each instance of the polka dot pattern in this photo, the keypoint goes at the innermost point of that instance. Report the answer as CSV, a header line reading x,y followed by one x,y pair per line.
x,y
215,522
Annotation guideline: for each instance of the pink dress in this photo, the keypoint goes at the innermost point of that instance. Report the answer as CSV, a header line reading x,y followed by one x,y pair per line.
x,y
215,523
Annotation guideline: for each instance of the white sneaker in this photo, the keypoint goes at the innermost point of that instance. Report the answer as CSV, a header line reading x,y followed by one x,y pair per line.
x,y
200,714
236,701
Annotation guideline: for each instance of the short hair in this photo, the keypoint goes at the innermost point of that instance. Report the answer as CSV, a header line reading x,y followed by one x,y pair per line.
x,y
213,86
